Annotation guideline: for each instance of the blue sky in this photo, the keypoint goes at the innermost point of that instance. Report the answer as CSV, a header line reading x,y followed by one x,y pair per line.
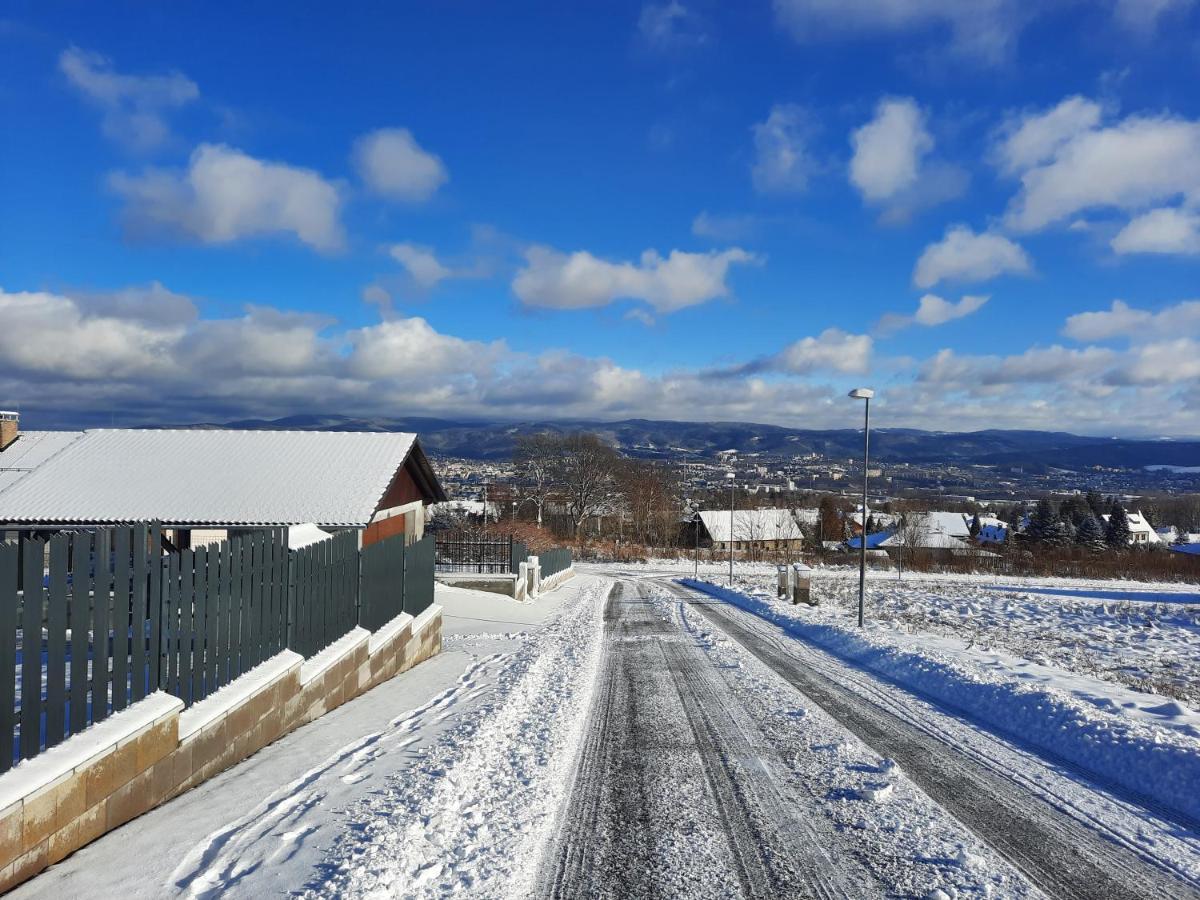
x,y
679,210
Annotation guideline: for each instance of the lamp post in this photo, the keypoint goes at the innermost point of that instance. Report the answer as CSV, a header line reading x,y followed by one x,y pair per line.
x,y
730,477
863,394
696,551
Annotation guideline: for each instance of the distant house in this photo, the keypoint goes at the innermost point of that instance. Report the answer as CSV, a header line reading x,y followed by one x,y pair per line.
x,y
1141,533
203,484
752,529
992,530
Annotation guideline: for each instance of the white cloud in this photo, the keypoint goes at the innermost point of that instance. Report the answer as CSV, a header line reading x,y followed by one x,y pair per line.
x,y
832,350
1026,141
717,227
580,280
932,311
421,264
670,26
406,348
963,255
391,163
1168,230
1136,325
134,107
225,195
1132,165
891,167
980,30
888,150
781,159
1038,365
1143,16
1170,362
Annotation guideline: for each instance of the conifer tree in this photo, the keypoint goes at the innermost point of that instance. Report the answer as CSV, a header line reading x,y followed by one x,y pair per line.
x,y
1090,535
976,527
1117,534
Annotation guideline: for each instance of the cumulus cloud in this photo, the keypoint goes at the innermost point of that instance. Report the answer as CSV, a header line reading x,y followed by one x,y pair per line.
x,y
1044,365
833,350
890,168
1131,165
980,30
1170,362
718,227
1025,141
225,195
888,150
392,164
670,27
421,264
1164,231
134,108
1136,325
1142,16
401,348
963,255
932,311
782,162
580,280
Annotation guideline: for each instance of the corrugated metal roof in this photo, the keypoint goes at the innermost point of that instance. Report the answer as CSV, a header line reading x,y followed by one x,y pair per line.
x,y
211,477
30,450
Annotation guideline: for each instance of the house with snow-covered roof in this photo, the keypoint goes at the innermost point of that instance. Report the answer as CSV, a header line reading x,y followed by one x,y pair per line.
x,y
752,529
1141,532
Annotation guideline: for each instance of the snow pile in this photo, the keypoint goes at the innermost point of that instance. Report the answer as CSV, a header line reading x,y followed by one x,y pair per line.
x,y
1160,763
473,816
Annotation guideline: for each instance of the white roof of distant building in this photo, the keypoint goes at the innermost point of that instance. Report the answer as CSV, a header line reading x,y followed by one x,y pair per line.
x,y
751,525
303,535
211,477
951,523
30,450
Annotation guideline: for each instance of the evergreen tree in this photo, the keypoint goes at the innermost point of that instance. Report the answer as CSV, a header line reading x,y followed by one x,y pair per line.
x,y
1096,504
1042,524
1090,535
1117,534
976,527
1181,536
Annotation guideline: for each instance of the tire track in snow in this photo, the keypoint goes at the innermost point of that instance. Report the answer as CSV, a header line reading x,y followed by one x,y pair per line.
x,y
1062,856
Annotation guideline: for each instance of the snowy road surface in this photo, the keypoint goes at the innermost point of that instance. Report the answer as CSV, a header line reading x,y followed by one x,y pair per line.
x,y
624,737
1066,835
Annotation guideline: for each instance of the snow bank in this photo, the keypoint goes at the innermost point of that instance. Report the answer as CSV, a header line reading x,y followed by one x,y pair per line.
x,y
1159,763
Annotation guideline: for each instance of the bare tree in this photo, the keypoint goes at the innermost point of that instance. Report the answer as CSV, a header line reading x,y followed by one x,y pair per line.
x,y
585,467
535,458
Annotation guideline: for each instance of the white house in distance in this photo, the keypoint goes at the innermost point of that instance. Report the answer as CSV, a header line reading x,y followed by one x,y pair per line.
x,y
752,529
1141,534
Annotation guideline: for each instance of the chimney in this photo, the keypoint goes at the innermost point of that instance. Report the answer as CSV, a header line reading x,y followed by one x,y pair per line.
x,y
10,428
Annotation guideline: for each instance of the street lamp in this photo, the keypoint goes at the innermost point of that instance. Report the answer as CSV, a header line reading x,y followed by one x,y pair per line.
x,y
863,394
730,477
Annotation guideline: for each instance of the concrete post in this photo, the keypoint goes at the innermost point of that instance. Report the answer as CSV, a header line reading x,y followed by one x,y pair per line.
x,y
535,576
523,581
802,584
784,587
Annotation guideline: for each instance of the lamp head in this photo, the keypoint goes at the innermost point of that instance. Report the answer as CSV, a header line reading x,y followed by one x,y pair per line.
x,y
862,393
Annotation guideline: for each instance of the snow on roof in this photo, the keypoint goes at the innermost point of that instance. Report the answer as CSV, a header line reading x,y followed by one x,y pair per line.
x,y
303,535
751,525
1138,524
951,523
30,450
211,477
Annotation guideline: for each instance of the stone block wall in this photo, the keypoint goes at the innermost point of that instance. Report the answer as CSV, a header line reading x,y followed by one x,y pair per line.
x,y
96,781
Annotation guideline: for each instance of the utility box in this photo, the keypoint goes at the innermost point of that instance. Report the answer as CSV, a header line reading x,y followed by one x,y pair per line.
x,y
801,576
784,588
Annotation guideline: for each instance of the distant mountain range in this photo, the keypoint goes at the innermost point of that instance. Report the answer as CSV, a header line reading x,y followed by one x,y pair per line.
x,y
1032,450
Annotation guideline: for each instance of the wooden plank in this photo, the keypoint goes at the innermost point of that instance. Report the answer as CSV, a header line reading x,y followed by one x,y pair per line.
x,y
8,653
122,607
137,609
31,648
101,585
80,612
171,625
281,590
212,650
200,629
227,627
270,608
56,642
237,623
154,650
187,632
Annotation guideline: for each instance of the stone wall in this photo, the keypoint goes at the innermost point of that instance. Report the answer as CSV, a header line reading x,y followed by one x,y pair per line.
x,y
98,780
